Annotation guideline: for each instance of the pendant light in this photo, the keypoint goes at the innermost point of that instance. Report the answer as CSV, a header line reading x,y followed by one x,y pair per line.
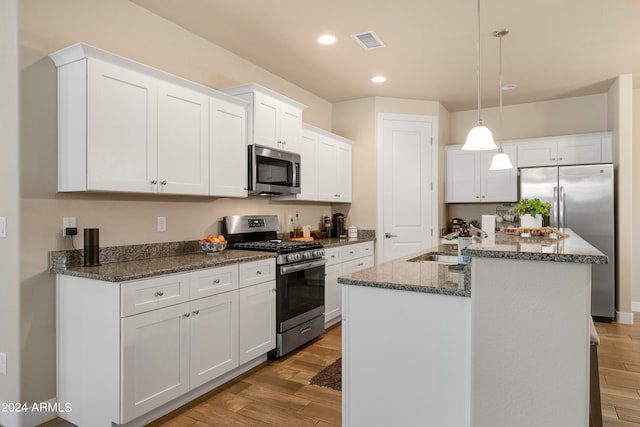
x,y
479,138
501,160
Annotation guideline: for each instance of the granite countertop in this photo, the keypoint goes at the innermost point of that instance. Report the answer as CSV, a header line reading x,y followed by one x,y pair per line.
x,y
508,246
123,263
405,275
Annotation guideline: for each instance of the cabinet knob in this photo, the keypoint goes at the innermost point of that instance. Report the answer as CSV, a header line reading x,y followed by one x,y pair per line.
x,y
284,142
159,293
259,272
559,158
186,315
553,158
274,290
483,197
215,282
163,182
154,181
477,197
196,312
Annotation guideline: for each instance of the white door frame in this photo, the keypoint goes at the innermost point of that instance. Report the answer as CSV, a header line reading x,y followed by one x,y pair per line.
x,y
433,120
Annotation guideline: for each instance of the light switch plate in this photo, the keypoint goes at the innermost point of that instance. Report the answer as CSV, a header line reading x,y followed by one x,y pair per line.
x,y
3,363
3,227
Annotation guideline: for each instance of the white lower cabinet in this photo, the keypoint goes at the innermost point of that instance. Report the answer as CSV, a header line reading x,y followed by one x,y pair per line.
x,y
340,261
125,349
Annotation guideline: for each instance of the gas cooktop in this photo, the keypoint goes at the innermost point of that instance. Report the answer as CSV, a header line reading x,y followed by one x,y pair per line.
x,y
279,246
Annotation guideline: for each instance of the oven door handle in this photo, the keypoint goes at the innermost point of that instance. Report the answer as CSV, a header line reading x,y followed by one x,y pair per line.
x,y
286,269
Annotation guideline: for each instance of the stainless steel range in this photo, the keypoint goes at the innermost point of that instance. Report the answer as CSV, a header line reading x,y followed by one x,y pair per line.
x,y
299,280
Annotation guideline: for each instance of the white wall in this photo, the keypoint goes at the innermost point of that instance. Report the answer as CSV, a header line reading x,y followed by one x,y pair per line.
x,y
9,203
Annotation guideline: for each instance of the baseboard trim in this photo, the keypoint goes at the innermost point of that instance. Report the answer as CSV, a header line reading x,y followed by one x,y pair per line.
x,y
624,317
635,306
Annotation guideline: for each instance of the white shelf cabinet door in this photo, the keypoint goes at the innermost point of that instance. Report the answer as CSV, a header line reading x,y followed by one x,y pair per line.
x,y
265,121
462,171
289,127
332,293
155,359
227,149
580,149
499,185
309,171
543,152
327,169
257,320
214,337
183,141
121,128
344,155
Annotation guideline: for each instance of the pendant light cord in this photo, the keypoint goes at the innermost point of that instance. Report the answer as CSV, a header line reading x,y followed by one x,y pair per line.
x,y
478,64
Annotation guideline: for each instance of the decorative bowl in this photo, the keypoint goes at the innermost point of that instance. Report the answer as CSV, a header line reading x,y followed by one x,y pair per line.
x,y
213,247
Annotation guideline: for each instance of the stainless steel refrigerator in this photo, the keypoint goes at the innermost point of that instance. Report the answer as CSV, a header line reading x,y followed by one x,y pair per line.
x,y
582,199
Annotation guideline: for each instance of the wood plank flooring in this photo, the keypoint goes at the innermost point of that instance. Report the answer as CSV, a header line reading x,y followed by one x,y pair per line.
x,y
278,393
619,366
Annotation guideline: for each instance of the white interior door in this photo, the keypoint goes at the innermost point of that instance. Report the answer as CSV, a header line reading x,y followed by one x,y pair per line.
x,y
408,175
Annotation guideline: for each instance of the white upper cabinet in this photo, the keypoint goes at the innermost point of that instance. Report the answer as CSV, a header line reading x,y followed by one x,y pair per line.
x,y
335,168
469,180
274,120
565,150
227,149
309,161
124,126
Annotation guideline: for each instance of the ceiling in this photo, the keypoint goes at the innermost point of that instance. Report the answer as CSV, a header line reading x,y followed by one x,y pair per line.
x,y
554,49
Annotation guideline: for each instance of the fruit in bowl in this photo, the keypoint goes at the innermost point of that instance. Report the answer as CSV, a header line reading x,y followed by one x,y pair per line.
x,y
212,243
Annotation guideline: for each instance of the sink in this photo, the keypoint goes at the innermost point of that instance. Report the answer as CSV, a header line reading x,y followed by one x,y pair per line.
x,y
436,257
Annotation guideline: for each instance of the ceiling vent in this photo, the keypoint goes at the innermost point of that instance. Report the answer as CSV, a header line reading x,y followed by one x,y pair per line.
x,y
368,40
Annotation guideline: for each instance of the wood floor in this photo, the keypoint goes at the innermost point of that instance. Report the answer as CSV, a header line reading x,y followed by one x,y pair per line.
x,y
619,366
278,393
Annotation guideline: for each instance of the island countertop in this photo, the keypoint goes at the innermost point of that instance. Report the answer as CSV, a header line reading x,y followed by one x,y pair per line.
x,y
432,277
406,275
572,249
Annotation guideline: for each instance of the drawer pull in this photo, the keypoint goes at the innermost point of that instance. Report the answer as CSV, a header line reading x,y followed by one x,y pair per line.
x,y
186,315
159,293
259,272
360,264
305,329
196,312
215,282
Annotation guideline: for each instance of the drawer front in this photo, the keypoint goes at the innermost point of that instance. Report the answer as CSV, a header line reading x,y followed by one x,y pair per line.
x,y
252,273
357,250
213,281
151,294
357,264
333,255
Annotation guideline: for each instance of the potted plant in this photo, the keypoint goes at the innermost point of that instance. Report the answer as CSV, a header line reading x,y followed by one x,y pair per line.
x,y
531,212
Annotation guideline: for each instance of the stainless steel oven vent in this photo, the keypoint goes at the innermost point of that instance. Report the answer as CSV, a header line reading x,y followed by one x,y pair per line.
x,y
368,40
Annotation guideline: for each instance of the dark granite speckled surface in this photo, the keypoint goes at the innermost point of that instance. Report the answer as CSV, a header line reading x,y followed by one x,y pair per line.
x,y
122,263
405,275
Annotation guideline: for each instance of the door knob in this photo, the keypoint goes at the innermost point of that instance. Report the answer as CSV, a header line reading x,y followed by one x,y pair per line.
x,y
389,235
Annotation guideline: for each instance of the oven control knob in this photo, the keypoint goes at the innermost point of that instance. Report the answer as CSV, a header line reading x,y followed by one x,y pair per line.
x,y
292,257
306,255
318,253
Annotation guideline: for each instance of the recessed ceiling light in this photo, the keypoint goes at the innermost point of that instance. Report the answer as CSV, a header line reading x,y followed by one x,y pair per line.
x,y
326,39
379,79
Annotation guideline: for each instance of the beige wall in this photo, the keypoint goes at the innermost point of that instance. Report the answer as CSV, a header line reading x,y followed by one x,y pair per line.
x,y
635,207
557,117
124,28
9,207
621,123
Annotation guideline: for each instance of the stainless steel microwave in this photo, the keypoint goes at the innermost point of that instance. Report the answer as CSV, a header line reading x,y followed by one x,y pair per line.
x,y
273,172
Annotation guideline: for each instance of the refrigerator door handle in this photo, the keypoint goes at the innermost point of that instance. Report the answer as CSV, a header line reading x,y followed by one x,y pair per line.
x,y
554,203
561,213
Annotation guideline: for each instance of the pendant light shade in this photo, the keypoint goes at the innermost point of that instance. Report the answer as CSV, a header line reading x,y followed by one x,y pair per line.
x,y
500,162
480,137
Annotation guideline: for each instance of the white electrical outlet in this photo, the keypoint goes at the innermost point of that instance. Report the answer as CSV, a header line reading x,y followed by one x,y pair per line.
x,y
3,363
68,222
3,227
162,224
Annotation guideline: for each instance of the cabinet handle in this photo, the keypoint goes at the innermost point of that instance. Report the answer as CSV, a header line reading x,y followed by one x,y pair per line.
x,y
477,197
215,282
196,312
559,158
163,182
154,181
483,196
360,264
284,142
159,293
274,290
259,272
186,315
553,158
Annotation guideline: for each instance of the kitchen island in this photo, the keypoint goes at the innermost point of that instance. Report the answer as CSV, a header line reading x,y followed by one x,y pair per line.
x,y
508,346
